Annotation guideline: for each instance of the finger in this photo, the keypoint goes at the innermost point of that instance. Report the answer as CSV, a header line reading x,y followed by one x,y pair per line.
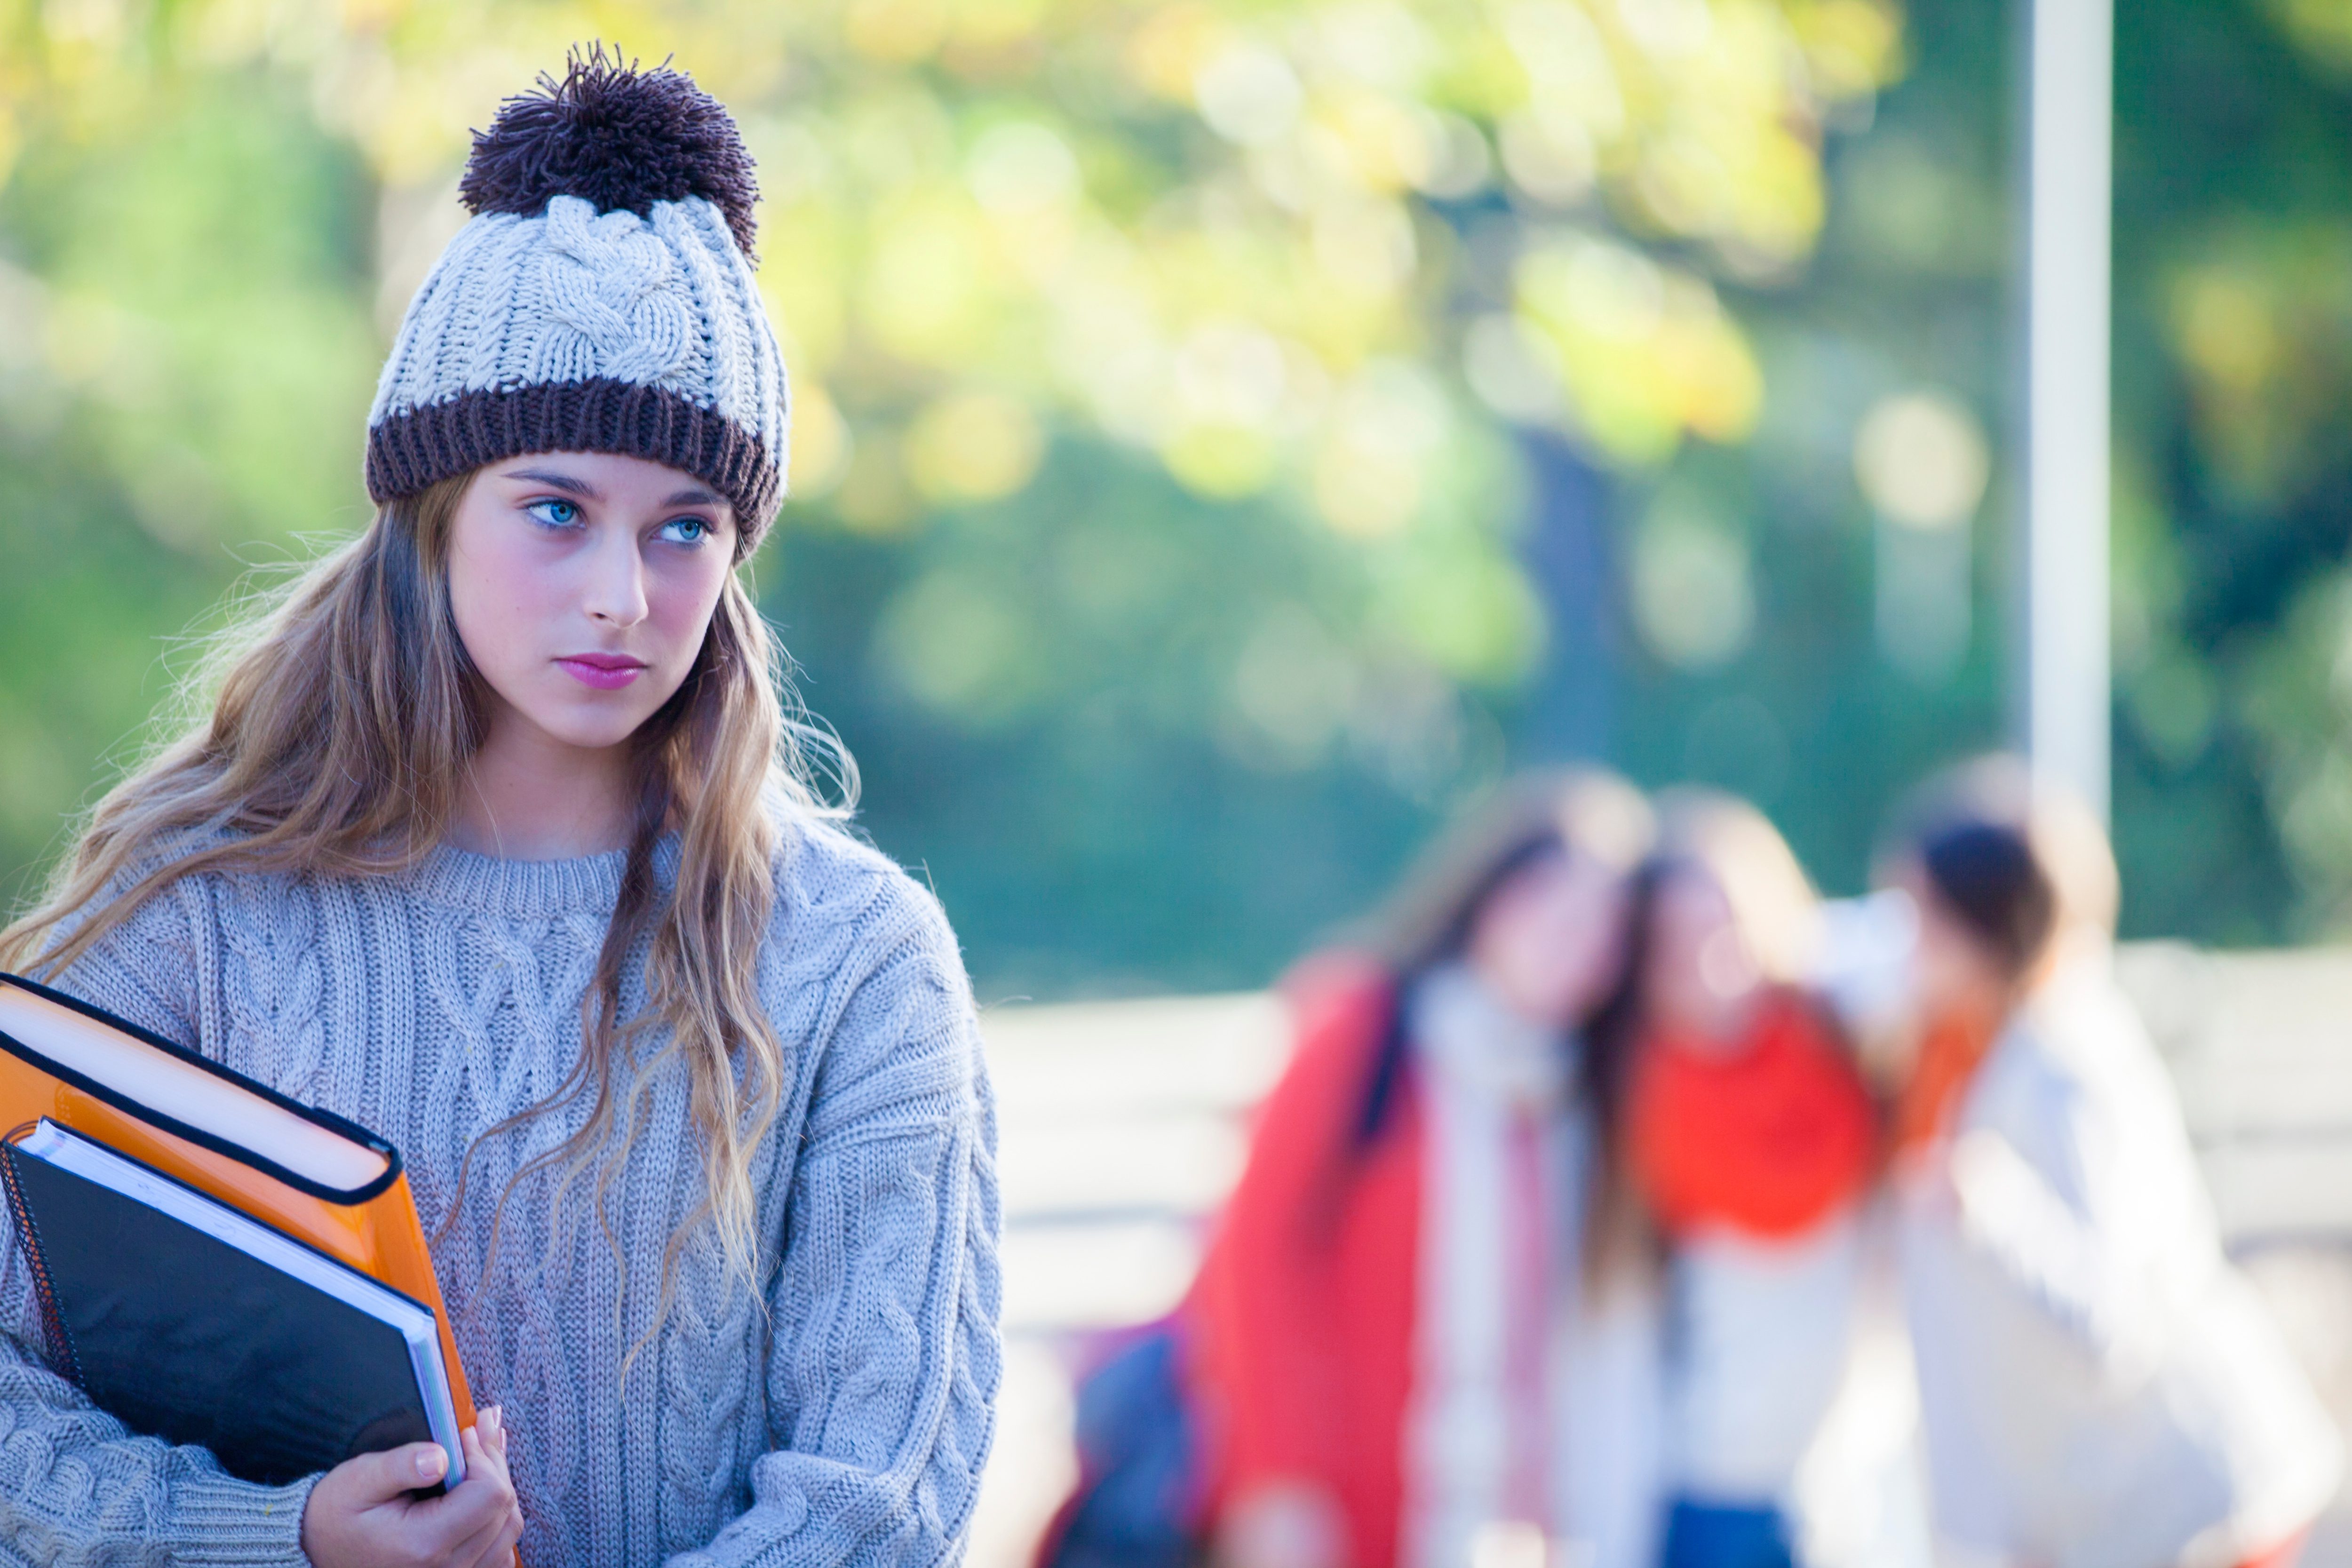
x,y
468,1512
493,1428
486,1452
381,1477
502,1553
492,1546
495,1546
476,1524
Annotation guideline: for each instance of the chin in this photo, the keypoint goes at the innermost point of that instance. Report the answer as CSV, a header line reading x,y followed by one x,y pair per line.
x,y
591,732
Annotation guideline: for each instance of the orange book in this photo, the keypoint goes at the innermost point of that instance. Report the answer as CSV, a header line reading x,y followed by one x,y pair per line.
x,y
307,1172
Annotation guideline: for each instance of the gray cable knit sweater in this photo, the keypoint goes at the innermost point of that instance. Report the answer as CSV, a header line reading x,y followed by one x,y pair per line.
x,y
840,1418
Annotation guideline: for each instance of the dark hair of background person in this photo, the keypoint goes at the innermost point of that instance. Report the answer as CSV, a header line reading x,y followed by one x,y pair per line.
x,y
1617,1233
2015,861
1985,875
1427,920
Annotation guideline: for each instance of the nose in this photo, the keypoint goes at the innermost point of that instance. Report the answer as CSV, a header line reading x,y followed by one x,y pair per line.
x,y
615,588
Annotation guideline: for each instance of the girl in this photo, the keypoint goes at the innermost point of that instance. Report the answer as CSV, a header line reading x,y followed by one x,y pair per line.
x,y
2100,1388
496,841
1391,1346
1750,1141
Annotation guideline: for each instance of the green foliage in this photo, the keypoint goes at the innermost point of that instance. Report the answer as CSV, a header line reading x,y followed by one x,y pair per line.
x,y
2235,363
181,304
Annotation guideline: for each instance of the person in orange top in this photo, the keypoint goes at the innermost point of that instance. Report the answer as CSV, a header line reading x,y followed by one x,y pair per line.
x,y
2099,1387
1951,1046
1749,1143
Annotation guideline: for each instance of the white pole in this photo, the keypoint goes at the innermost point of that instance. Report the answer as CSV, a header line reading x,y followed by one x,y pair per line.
x,y
2069,108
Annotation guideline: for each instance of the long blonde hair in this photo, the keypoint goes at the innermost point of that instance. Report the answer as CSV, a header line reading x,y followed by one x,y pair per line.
x,y
341,722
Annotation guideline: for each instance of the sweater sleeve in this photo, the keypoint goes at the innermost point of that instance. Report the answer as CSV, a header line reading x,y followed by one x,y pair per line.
x,y
883,1372
76,1488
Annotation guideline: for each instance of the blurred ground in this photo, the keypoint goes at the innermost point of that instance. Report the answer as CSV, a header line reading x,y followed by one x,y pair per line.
x,y
1122,1128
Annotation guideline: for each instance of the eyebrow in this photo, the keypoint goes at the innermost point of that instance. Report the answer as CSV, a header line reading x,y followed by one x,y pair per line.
x,y
693,495
553,480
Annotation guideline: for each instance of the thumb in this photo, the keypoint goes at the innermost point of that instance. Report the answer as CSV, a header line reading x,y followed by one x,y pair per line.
x,y
378,1478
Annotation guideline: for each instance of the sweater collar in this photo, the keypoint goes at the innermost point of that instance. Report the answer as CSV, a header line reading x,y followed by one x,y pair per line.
x,y
531,889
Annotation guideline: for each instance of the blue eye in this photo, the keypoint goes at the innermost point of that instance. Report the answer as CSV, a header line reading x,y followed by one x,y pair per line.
x,y
686,529
554,513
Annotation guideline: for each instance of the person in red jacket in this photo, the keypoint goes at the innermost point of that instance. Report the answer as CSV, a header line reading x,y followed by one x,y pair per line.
x,y
1392,1351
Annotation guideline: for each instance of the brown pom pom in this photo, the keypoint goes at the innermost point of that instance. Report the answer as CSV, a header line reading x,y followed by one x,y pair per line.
x,y
614,136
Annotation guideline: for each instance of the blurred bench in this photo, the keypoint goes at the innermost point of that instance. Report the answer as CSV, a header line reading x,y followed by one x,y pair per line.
x,y
2258,1043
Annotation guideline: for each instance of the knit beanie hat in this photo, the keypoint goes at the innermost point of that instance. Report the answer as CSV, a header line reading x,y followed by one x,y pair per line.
x,y
599,300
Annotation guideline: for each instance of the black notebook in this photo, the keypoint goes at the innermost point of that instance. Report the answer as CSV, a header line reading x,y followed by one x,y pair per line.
x,y
193,1322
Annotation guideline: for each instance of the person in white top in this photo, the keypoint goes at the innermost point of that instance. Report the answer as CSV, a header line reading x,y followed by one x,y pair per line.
x,y
2099,1387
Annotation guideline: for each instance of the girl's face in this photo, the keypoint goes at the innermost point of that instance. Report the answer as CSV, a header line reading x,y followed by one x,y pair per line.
x,y
1548,941
1954,973
583,584
1700,976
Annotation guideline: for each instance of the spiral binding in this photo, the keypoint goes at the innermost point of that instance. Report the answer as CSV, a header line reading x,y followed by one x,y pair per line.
x,y
61,1346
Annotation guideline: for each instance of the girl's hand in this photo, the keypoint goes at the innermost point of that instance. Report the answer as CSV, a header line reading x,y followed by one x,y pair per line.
x,y
360,1514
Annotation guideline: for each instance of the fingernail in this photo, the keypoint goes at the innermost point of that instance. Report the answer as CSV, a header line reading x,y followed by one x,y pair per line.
x,y
431,1463
494,1419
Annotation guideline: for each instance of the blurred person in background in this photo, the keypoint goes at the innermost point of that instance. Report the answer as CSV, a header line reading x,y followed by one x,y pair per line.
x,y
1750,1143
1391,1347
2100,1388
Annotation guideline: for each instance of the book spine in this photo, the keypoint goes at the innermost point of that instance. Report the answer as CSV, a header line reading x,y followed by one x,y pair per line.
x,y
29,1237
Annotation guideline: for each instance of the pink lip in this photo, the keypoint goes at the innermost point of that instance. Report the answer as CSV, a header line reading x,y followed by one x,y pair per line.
x,y
603,671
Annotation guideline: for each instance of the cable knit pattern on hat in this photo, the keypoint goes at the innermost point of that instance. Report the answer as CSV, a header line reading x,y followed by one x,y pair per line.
x,y
601,300
839,1416
521,316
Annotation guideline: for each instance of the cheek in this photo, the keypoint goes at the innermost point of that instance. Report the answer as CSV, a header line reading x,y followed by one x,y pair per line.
x,y
681,600
1533,952
679,604
498,602
1677,975
1674,951
1574,929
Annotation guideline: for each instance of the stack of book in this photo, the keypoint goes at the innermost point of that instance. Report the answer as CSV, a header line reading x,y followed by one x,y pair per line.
x,y
217,1264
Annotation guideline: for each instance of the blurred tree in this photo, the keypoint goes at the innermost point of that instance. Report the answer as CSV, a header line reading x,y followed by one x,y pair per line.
x,y
2234,368
2233,365
1770,648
